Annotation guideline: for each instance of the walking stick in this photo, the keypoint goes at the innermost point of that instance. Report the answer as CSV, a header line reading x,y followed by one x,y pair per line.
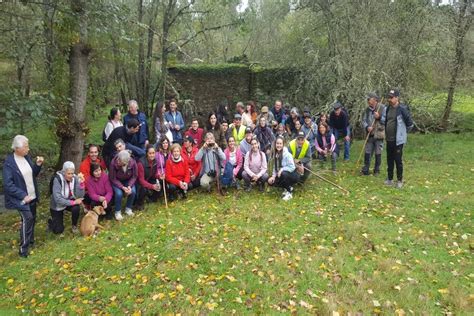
x,y
164,185
218,174
367,138
326,180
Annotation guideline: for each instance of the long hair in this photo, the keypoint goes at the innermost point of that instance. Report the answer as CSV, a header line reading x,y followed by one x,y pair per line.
x,y
208,122
160,144
275,154
158,116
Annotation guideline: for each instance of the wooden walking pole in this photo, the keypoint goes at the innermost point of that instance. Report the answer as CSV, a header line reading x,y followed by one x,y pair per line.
x,y
164,185
326,180
367,138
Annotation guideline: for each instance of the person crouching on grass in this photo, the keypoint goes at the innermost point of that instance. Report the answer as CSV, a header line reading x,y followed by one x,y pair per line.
x,y
177,173
67,195
300,150
148,186
99,189
326,145
284,173
123,174
211,156
255,167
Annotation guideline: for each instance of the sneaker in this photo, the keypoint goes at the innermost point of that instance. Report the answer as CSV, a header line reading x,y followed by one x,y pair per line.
x,y
261,186
248,188
185,195
75,230
291,190
23,254
237,185
118,216
388,182
399,184
376,173
284,193
288,196
129,211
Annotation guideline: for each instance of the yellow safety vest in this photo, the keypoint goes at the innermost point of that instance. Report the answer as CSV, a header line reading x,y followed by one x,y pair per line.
x,y
303,150
238,135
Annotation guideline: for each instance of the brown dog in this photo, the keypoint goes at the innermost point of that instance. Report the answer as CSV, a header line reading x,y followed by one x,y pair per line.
x,y
90,222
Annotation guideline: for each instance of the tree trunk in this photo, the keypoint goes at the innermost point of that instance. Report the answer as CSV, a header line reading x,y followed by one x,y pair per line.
x,y
75,128
164,49
141,98
463,22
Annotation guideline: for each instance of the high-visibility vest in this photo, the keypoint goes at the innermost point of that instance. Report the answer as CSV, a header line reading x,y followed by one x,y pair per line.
x,y
238,135
303,151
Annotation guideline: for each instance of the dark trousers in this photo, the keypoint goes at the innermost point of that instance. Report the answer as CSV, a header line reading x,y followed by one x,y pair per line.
x,y
56,222
394,157
287,180
144,193
27,228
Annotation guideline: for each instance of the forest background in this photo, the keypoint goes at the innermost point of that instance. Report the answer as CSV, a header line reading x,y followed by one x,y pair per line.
x,y
63,63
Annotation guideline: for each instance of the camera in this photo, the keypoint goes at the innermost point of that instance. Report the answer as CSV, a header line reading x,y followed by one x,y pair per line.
x,y
211,145
211,173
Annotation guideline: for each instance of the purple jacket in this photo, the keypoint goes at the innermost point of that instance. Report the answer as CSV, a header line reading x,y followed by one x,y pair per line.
x,y
117,175
99,187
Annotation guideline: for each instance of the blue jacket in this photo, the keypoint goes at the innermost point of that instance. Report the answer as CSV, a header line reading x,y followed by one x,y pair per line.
x,y
143,133
404,122
14,185
178,119
287,162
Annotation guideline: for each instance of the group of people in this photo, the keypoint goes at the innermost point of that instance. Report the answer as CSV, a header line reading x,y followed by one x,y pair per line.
x,y
274,147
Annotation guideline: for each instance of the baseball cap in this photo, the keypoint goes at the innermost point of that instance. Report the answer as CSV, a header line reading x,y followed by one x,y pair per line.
x,y
393,93
264,109
248,130
337,105
300,135
237,116
189,139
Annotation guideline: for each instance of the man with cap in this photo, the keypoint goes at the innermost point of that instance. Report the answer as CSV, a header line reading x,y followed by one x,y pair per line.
x,y
264,112
245,144
236,129
310,129
300,149
373,122
397,124
339,123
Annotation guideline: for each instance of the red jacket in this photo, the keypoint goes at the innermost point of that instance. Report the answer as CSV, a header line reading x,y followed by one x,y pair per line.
x,y
196,135
177,171
85,167
194,166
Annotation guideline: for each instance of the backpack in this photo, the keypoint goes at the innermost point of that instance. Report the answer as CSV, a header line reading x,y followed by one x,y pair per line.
x,y
51,182
228,174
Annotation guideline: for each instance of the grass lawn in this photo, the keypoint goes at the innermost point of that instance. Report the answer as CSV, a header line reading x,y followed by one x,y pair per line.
x,y
377,250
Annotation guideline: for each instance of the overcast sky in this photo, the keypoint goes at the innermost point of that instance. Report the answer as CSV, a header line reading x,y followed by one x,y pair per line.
x,y
245,3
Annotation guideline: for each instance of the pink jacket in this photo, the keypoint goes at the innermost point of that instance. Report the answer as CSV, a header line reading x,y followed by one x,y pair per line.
x,y
238,156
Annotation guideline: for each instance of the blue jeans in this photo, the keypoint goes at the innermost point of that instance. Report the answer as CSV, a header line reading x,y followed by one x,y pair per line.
x,y
118,194
339,135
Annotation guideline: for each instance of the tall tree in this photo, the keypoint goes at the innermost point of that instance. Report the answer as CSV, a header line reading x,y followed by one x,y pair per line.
x,y
74,128
462,24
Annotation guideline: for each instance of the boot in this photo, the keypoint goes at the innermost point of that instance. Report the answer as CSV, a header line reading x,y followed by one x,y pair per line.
x,y
378,161
365,169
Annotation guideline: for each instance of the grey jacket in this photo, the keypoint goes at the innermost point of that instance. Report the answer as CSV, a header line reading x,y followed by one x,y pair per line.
x,y
404,122
59,198
208,158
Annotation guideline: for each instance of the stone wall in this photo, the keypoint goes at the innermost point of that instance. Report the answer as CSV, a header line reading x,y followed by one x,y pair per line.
x,y
210,85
